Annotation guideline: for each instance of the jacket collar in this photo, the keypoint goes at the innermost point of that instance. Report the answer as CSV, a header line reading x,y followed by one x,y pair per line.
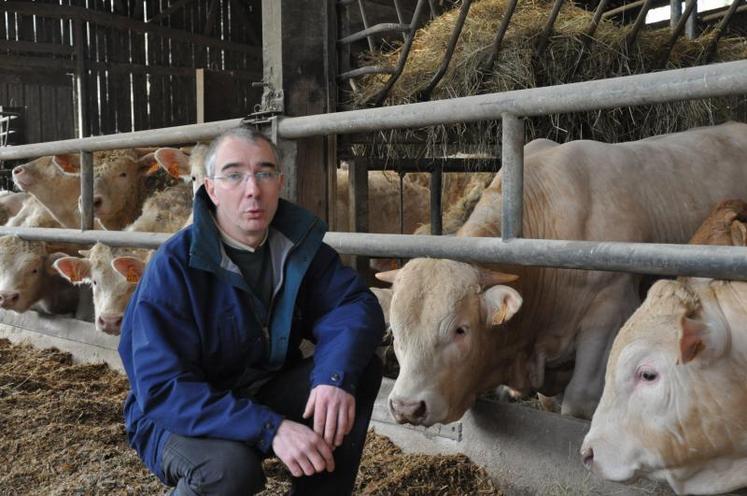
x,y
206,248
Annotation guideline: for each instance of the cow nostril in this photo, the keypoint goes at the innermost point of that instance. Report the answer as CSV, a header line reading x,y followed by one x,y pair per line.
x,y
587,457
118,321
420,410
17,171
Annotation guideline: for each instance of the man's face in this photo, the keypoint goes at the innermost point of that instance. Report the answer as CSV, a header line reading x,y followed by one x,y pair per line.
x,y
244,210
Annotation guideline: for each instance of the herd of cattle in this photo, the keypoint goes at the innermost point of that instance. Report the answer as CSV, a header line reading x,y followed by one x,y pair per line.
x,y
671,403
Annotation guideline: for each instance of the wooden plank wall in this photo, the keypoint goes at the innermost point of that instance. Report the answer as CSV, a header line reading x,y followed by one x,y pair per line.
x,y
136,80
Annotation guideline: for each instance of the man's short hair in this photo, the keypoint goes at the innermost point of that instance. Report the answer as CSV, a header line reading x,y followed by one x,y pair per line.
x,y
246,133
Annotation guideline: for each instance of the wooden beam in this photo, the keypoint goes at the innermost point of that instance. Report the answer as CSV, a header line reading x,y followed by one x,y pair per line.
x,y
166,13
36,47
123,23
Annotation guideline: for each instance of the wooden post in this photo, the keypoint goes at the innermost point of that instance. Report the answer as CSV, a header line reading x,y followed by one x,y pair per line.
x,y
293,38
200,95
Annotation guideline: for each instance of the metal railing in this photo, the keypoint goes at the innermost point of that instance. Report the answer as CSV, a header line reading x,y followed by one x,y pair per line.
x,y
692,83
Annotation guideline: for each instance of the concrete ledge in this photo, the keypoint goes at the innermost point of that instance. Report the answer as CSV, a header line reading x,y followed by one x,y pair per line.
x,y
79,338
525,451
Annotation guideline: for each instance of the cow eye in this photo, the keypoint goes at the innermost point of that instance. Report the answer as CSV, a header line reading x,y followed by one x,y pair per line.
x,y
123,174
647,375
460,331
35,271
95,283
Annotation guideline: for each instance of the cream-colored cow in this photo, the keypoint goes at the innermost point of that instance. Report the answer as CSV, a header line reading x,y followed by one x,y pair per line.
x,y
675,396
112,274
450,320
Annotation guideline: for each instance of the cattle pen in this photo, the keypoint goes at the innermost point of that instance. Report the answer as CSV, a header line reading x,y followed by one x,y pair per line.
x,y
537,451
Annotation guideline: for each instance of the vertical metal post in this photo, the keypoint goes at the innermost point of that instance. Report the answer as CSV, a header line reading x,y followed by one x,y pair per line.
x,y
691,27
512,176
86,158
436,183
86,190
364,18
675,12
358,205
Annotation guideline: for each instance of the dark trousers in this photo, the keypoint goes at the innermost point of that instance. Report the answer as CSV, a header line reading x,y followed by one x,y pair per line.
x,y
207,467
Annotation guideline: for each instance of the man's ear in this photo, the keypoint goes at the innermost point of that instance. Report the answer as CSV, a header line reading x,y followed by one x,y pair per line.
x,y
384,295
499,304
74,269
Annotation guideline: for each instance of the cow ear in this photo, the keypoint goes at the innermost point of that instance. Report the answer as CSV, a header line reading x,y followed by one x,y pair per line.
x,y
738,234
489,278
499,304
700,339
173,161
68,163
384,295
51,259
74,269
148,164
130,267
388,276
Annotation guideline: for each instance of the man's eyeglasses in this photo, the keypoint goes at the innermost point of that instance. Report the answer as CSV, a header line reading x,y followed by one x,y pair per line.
x,y
233,179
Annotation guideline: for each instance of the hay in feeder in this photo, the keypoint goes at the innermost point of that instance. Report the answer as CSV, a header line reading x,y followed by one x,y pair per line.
x,y
517,66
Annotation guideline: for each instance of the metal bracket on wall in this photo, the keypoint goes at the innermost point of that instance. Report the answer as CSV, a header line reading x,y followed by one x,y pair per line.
x,y
273,100
265,122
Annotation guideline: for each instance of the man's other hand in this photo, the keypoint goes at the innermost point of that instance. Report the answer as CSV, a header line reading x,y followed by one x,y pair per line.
x,y
302,450
334,412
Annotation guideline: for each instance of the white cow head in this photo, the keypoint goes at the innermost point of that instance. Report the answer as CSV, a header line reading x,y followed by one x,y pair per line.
x,y
187,164
25,271
674,400
113,280
446,320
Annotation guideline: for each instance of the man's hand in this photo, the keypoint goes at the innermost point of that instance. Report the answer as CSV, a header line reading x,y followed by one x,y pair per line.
x,y
334,412
302,450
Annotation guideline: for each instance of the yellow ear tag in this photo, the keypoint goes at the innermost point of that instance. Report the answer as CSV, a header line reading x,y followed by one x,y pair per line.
x,y
152,169
173,169
132,275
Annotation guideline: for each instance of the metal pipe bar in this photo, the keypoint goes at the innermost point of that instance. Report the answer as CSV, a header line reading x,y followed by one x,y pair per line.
x,y
406,165
364,18
640,21
675,13
425,94
499,36
379,98
589,34
692,83
362,71
512,179
398,10
86,190
711,17
436,181
624,8
544,36
710,49
721,262
691,26
678,29
728,78
434,11
384,27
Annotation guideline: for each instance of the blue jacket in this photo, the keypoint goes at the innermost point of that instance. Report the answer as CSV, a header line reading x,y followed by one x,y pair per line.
x,y
194,332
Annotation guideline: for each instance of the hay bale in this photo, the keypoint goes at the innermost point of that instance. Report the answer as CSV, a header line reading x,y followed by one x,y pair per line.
x,y
517,67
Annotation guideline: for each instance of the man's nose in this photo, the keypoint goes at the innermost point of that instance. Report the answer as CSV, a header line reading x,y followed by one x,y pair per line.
x,y
250,185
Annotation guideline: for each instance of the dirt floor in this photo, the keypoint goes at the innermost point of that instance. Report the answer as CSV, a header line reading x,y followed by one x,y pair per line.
x,y
61,433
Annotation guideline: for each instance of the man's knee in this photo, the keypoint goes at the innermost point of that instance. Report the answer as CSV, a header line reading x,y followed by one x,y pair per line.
x,y
214,467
